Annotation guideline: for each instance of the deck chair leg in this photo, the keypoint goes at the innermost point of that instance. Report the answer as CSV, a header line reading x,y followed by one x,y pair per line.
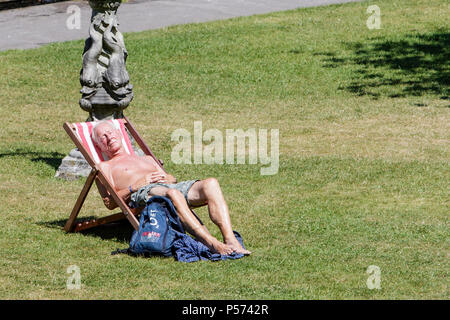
x,y
70,224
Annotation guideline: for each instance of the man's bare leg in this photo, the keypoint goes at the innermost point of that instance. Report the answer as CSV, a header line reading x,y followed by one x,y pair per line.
x,y
190,222
208,192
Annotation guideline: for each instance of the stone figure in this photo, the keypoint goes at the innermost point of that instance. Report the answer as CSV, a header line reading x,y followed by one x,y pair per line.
x,y
106,90
90,75
116,75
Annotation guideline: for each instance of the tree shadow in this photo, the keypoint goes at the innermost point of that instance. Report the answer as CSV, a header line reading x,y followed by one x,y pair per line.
x,y
416,65
52,159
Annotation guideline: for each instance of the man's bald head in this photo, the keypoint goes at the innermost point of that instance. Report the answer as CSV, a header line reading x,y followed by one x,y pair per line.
x,y
95,128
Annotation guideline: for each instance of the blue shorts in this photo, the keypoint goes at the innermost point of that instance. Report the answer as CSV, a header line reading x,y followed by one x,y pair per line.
x,y
140,197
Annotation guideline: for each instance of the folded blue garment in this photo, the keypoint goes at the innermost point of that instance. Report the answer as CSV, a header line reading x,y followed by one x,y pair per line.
x,y
187,249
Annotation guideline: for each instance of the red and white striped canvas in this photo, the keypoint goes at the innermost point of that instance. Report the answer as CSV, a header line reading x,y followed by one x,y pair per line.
x,y
84,131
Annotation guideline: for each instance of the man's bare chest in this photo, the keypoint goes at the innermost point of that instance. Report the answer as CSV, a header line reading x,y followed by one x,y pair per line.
x,y
128,170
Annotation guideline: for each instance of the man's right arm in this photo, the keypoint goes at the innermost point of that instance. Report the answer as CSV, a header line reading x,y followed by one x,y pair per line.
x,y
125,194
108,200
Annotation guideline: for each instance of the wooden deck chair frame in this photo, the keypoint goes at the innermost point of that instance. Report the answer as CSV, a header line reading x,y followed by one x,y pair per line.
x,y
71,224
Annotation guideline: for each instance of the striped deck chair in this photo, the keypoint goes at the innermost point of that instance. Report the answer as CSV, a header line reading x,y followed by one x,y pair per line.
x,y
80,133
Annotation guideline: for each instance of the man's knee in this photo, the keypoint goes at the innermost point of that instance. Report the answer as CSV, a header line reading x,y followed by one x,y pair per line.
x,y
211,184
174,195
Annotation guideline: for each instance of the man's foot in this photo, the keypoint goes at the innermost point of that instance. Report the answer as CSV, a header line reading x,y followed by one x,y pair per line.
x,y
236,246
221,248
216,246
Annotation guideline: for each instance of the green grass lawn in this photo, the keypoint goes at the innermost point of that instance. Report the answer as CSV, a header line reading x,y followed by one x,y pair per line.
x,y
364,175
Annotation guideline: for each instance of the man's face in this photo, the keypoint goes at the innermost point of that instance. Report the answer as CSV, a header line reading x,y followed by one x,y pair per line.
x,y
109,139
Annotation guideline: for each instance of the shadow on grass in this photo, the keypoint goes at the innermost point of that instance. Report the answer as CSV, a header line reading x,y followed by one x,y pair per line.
x,y
416,65
53,159
118,231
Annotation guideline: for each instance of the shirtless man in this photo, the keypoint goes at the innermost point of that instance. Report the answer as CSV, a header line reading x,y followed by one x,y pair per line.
x,y
134,176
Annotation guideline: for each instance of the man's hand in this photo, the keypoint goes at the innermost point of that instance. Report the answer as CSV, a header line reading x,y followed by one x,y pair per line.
x,y
154,177
163,178
171,179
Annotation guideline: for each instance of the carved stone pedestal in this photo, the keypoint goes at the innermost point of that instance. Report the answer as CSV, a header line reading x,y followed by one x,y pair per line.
x,y
73,166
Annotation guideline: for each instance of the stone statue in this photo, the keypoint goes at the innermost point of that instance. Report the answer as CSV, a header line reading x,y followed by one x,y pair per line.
x,y
106,90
